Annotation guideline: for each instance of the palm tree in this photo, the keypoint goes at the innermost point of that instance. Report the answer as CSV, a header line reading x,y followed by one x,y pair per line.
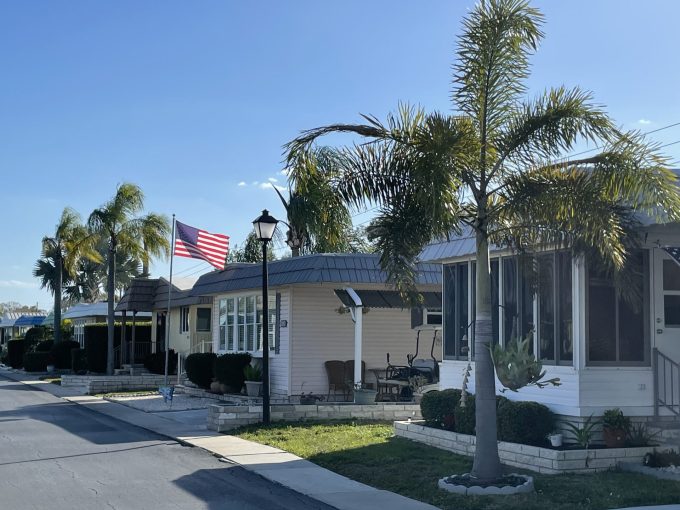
x,y
140,237
318,219
61,254
493,166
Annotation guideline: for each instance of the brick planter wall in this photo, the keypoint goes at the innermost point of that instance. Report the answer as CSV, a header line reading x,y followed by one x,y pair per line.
x,y
94,384
227,417
534,458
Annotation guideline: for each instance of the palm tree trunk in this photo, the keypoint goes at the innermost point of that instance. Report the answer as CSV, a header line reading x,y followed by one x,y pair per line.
x,y
57,299
110,291
486,464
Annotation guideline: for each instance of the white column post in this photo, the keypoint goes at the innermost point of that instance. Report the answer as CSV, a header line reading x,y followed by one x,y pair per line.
x,y
357,316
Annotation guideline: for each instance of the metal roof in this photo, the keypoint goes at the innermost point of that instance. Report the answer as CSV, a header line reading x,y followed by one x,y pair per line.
x,y
29,320
387,299
181,294
457,245
99,309
346,268
139,295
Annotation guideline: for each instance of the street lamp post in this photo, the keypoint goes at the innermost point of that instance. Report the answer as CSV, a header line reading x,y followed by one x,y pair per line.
x,y
264,230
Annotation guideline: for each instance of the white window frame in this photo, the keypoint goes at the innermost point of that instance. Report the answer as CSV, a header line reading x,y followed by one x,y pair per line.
x,y
240,326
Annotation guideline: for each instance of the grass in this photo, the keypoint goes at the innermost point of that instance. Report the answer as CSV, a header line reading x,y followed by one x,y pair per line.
x,y
369,453
52,380
127,393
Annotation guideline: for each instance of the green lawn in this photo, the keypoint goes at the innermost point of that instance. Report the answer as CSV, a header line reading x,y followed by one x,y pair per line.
x,y
369,453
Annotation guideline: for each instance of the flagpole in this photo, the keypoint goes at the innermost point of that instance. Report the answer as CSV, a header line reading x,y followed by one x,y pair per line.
x,y
167,315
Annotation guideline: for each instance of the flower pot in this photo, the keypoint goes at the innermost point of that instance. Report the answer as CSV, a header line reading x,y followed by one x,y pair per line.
x,y
50,368
614,438
365,396
215,387
253,388
555,440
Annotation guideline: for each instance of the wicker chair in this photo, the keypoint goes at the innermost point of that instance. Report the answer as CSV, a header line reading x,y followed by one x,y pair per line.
x,y
349,373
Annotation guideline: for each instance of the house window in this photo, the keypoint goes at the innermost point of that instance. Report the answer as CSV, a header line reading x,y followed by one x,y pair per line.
x,y
616,316
554,324
184,319
203,319
240,323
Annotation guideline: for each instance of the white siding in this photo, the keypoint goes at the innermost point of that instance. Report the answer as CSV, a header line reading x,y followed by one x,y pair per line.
x,y
563,399
320,334
629,388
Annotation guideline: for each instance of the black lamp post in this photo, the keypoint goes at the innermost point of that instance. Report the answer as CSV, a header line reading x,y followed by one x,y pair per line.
x,y
264,230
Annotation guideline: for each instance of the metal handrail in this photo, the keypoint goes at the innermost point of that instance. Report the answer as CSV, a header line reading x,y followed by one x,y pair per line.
x,y
665,369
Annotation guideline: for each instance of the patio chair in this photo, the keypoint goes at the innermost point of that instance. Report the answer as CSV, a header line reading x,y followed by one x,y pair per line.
x,y
349,372
335,370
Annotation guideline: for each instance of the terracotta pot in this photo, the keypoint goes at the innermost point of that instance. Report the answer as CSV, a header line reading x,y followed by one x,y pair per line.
x,y
614,438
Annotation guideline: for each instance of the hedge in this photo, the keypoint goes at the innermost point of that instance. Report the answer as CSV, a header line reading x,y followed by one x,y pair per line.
x,y
96,341
15,353
518,422
44,346
155,362
200,368
229,369
61,353
78,361
36,361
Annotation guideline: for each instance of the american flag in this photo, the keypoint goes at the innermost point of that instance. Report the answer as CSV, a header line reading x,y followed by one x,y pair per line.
x,y
198,244
674,252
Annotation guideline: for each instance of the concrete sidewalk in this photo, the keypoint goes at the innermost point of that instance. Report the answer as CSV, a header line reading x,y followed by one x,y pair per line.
x,y
271,463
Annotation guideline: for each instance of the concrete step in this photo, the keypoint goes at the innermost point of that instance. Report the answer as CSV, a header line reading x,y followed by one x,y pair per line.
x,y
121,371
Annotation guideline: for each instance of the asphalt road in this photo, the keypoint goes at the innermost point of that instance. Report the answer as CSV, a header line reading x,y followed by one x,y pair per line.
x,y
58,455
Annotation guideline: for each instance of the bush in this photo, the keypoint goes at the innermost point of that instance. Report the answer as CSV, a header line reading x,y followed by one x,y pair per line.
x,y
662,459
36,361
78,361
96,339
464,417
33,336
525,422
44,346
438,407
61,353
15,353
229,369
155,362
200,368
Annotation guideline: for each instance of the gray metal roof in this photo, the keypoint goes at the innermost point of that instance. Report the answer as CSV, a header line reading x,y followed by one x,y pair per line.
x,y
345,268
181,295
139,295
455,246
99,309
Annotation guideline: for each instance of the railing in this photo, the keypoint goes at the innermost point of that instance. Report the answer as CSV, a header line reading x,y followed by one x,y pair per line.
x,y
666,382
206,346
142,350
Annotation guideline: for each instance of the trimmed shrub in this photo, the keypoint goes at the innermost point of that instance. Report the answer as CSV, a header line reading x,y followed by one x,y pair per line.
x,y
78,361
96,338
36,361
61,353
33,336
44,346
464,417
438,407
525,422
15,353
200,368
229,369
155,362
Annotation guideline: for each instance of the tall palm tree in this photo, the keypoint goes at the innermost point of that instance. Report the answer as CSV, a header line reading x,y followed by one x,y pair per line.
x,y
494,166
142,237
318,219
61,254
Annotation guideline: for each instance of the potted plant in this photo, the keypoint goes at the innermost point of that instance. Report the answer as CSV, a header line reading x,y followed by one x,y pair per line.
x,y
555,438
50,363
253,380
363,394
615,428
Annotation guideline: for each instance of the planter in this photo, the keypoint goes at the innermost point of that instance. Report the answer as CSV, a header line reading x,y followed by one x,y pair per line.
x,y
365,397
50,368
614,438
253,388
555,440
215,387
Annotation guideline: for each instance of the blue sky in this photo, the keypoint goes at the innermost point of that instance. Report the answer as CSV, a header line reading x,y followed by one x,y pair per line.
x,y
189,99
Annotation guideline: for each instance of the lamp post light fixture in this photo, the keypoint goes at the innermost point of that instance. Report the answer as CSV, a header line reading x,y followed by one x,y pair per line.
x,y
265,225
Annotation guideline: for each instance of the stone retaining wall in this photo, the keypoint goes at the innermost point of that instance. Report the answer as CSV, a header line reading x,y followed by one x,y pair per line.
x,y
227,417
94,384
541,460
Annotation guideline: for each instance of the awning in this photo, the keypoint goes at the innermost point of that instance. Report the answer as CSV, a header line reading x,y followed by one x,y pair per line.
x,y
29,320
387,299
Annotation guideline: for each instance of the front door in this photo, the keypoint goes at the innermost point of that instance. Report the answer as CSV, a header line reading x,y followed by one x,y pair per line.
x,y
160,331
666,304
